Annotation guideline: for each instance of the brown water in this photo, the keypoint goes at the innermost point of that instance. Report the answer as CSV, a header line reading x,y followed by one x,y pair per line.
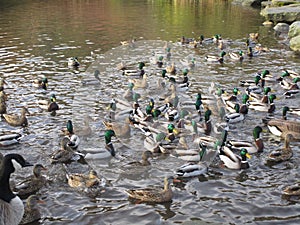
x,y
37,37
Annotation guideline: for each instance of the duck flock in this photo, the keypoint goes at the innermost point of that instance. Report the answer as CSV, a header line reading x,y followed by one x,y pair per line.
x,y
161,107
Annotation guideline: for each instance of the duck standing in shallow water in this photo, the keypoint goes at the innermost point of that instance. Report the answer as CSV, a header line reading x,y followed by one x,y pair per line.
x,y
12,208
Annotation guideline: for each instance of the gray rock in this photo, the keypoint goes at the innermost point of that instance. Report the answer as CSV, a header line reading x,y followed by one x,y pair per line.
x,y
294,29
289,13
282,28
295,44
252,3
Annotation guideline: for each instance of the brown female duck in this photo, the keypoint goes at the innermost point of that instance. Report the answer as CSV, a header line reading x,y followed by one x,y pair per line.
x,y
33,183
32,212
17,120
153,195
281,155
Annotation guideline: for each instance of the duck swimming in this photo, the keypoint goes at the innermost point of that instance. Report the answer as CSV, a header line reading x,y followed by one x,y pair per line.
x,y
32,212
153,195
12,208
17,120
33,183
281,155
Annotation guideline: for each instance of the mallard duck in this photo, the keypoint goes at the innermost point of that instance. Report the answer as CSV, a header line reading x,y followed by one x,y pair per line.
x,y
285,109
65,154
171,69
251,147
191,170
235,117
259,98
32,212
41,83
153,195
128,94
140,83
97,153
17,120
80,180
252,53
257,86
73,61
120,129
231,98
12,208
9,139
244,106
206,151
290,85
32,183
133,72
212,58
92,81
254,36
49,106
292,190
74,140
252,84
280,127
146,155
233,161
283,154
263,107
236,56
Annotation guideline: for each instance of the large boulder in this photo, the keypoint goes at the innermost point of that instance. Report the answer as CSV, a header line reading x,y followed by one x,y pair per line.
x,y
294,29
295,44
252,3
288,14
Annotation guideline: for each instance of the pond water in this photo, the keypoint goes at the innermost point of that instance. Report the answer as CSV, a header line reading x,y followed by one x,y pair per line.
x,y
37,37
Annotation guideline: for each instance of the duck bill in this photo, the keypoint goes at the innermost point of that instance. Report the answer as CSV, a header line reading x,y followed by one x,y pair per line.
x,y
175,131
248,156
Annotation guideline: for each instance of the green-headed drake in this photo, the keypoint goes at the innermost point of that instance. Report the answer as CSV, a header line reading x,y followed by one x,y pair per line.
x,y
263,107
102,153
236,116
212,58
233,161
41,83
49,105
236,56
254,146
